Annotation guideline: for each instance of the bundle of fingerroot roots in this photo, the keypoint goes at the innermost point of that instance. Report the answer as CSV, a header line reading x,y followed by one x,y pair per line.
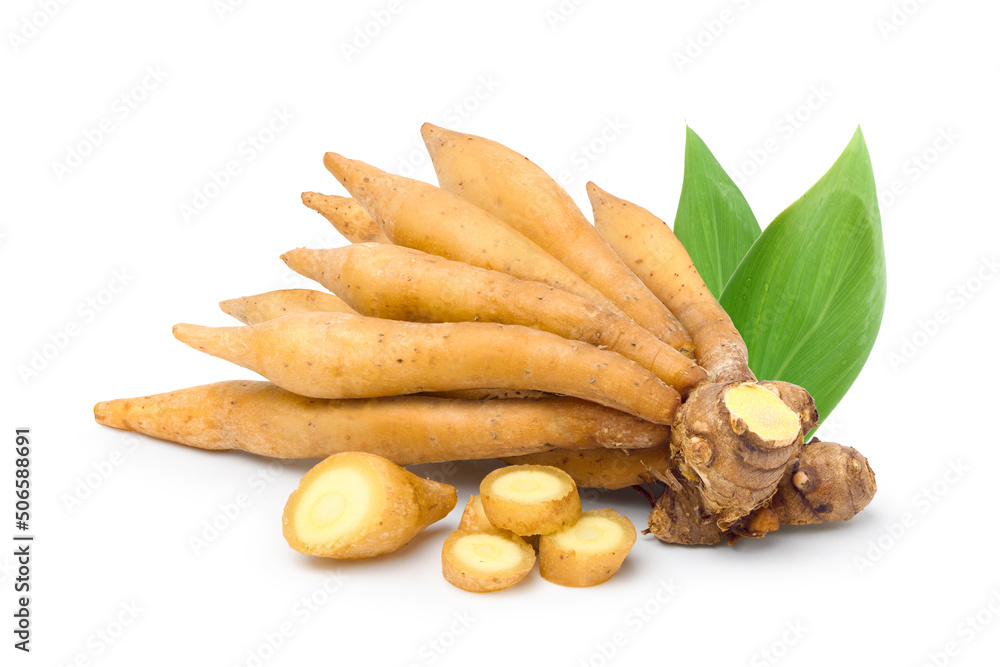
x,y
488,318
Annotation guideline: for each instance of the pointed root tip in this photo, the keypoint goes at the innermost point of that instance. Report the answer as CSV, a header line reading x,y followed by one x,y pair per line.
x,y
336,164
598,196
229,305
193,335
296,257
434,137
105,414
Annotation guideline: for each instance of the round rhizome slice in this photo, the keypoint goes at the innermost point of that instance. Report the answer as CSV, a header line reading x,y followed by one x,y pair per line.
x,y
482,561
589,552
358,505
530,499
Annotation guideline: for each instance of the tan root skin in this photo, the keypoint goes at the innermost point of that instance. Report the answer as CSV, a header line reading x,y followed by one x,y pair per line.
x,y
420,216
529,499
511,187
680,516
355,505
683,514
336,355
726,470
828,482
397,283
648,246
589,552
260,418
272,305
834,479
736,457
485,561
347,216
604,468
487,394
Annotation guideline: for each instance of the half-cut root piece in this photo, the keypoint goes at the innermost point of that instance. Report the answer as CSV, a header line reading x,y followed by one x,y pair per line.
x,y
485,561
530,499
589,552
474,518
356,505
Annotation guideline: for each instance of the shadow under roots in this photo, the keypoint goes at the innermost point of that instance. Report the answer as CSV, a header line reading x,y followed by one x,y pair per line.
x,y
430,538
460,474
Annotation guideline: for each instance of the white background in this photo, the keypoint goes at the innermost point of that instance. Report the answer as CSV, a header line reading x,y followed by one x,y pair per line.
x,y
115,578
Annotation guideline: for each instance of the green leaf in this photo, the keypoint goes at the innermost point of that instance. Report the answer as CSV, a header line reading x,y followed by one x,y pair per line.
x,y
714,221
809,295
